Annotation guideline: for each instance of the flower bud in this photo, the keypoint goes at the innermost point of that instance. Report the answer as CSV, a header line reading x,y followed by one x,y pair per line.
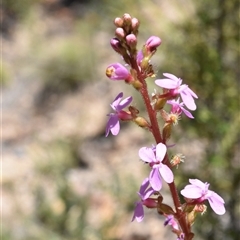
x,y
127,19
131,41
152,43
135,24
141,122
119,32
167,130
117,46
160,103
118,22
137,84
164,208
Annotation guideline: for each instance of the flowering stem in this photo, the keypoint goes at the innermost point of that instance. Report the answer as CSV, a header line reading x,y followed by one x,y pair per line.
x,y
151,113
158,138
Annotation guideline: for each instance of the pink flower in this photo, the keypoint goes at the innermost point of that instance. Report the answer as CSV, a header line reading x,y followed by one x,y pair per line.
x,y
117,71
158,168
178,108
174,85
144,193
117,105
199,191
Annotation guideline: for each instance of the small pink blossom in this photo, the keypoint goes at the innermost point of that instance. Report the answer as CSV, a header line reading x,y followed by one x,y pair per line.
x,y
178,108
199,191
117,105
173,83
117,71
155,158
144,193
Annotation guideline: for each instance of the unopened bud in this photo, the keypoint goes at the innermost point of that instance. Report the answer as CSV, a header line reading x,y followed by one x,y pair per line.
x,y
167,130
137,84
135,24
131,41
141,122
152,43
160,103
118,22
127,19
117,46
164,208
119,32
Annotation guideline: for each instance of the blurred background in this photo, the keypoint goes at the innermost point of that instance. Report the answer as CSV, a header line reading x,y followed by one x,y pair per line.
x,y
61,178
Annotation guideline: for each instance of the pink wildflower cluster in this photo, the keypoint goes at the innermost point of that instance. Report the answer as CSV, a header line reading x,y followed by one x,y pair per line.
x,y
134,71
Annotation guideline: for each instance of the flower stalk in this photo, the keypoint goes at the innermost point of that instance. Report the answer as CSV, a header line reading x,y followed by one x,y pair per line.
x,y
136,70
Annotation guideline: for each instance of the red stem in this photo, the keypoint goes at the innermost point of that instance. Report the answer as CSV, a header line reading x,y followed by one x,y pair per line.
x,y
180,215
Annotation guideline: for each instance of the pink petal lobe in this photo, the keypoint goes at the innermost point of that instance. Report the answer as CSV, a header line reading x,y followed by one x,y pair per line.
x,y
138,212
166,83
171,76
188,101
117,100
125,102
146,154
115,130
216,205
198,183
166,173
161,150
187,113
192,192
155,180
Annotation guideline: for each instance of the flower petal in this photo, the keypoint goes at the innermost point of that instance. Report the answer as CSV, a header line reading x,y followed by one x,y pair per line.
x,y
125,102
144,186
115,128
155,180
138,212
116,101
216,203
187,113
192,93
166,83
161,150
171,76
192,192
112,125
188,100
198,183
166,173
147,154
